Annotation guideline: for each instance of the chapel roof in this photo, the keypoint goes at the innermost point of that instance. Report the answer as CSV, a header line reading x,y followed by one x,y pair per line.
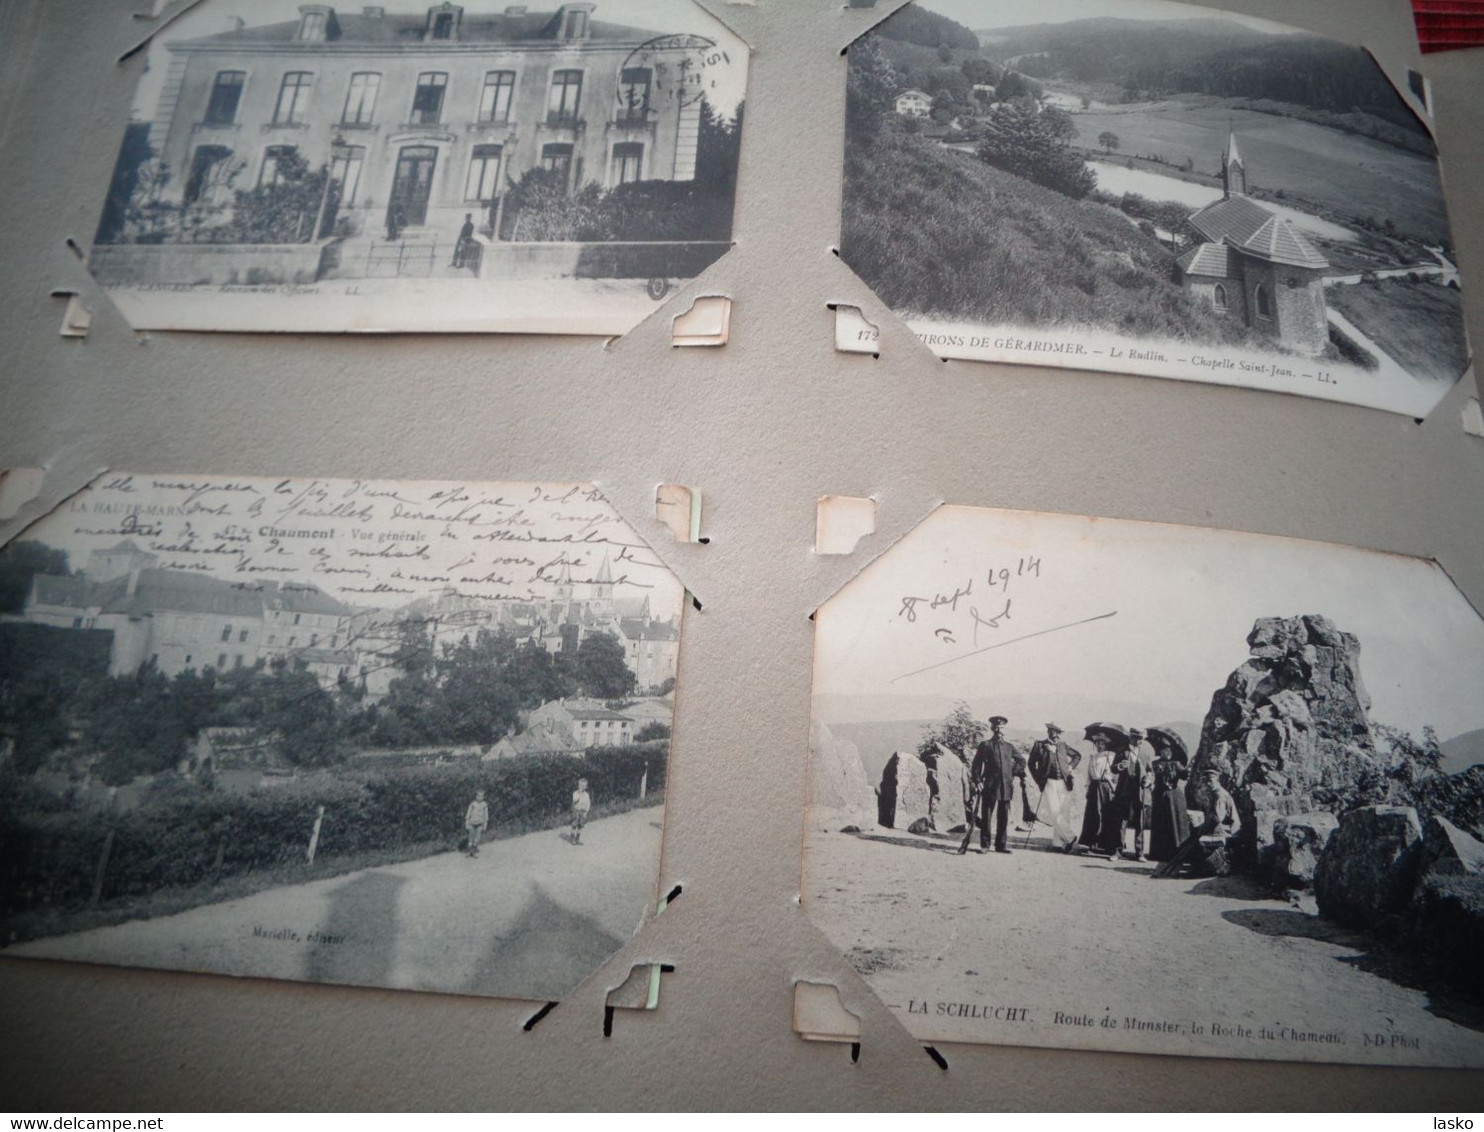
x,y
1243,223
1213,260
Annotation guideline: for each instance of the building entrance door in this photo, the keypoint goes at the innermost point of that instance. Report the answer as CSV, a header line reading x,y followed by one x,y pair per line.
x,y
413,184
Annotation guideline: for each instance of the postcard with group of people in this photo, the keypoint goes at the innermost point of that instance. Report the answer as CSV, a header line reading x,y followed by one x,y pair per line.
x,y
1073,782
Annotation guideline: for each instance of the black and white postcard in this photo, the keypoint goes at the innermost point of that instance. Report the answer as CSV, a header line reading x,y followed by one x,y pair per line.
x,y
387,733
423,167
1114,785
1151,188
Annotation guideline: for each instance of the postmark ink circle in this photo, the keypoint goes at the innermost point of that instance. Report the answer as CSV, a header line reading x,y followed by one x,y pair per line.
x,y
680,67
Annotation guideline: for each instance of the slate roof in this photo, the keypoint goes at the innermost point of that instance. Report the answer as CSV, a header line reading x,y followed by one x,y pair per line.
x,y
1213,260
1243,223
636,629
52,590
356,28
597,713
178,591
299,598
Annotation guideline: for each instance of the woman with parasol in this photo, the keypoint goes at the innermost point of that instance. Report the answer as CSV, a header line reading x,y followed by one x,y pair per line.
x,y
1170,823
1101,831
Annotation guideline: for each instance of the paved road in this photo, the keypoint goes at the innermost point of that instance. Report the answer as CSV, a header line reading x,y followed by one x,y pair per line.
x,y
529,918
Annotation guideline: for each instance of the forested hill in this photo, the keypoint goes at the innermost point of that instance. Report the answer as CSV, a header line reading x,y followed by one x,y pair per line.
x,y
1205,56
914,24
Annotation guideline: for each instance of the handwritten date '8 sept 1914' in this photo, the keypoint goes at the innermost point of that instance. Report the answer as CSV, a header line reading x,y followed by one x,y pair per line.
x,y
954,606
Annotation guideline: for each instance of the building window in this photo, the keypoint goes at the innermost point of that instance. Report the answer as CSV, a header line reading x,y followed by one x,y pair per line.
x,y
443,25
566,97
312,26
313,639
360,99
494,99
557,156
296,617
1218,297
273,156
293,641
1264,306
427,103
227,633
242,637
293,98
628,162
575,26
188,658
226,93
221,660
484,174
154,660
633,94
77,622
345,171
237,661
207,164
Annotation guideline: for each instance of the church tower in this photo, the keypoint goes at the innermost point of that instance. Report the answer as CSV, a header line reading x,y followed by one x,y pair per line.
x,y
601,602
1233,169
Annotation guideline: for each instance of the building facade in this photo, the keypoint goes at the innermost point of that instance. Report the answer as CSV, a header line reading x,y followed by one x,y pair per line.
x,y
1252,265
176,620
914,104
424,119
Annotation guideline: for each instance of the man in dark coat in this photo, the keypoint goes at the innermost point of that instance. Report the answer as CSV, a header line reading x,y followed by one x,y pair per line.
x,y
993,773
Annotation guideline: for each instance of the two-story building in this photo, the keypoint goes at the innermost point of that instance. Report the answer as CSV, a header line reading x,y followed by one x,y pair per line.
x,y
422,119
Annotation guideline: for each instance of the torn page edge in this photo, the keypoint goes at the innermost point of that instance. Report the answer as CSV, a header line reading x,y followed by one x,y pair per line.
x,y
841,521
706,323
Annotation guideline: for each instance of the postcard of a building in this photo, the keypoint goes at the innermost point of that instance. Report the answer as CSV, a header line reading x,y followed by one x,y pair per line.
x,y
1112,785
1145,187
386,733
411,166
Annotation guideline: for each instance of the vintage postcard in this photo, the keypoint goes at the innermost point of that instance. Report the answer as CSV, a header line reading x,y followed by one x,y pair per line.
x,y
423,167
1115,785
1151,188
396,734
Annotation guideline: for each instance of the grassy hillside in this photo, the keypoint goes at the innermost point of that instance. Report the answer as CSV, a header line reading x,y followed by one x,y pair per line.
x,y
1418,324
937,232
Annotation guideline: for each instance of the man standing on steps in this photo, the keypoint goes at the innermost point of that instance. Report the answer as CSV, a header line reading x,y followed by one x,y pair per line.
x,y
461,245
993,772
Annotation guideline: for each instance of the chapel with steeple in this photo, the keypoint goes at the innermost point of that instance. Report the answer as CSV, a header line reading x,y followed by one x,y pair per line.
x,y
1251,264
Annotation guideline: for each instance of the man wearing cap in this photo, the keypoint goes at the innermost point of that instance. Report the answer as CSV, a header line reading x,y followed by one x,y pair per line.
x,y
993,773
1051,769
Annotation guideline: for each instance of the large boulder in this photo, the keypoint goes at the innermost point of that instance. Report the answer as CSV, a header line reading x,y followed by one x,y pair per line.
x,y
1299,841
1292,719
904,796
1447,922
948,783
839,781
1449,851
1368,871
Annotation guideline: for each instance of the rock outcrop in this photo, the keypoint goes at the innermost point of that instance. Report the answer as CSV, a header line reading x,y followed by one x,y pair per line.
x,y
839,783
904,796
948,781
1449,851
1299,842
1290,720
1369,870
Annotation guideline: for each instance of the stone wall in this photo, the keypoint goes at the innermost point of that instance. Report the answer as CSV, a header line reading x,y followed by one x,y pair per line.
x,y
135,265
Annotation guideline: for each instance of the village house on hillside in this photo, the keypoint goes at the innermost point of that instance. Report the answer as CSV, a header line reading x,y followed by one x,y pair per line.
x,y
176,620
427,116
914,104
567,727
1254,266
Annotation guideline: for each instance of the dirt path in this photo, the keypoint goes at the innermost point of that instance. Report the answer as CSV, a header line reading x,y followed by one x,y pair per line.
x,y
530,917
1044,949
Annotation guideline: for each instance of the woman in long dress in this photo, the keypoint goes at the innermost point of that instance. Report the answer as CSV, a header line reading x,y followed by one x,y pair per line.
x,y
1100,827
1170,822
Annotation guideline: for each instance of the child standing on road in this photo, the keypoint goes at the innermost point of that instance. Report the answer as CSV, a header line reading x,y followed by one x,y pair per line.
x,y
476,819
581,804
